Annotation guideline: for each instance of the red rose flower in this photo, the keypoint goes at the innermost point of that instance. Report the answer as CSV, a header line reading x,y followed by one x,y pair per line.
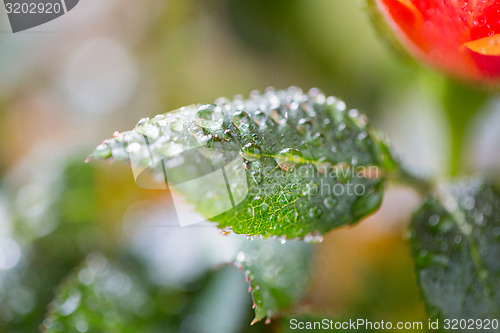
x,y
460,37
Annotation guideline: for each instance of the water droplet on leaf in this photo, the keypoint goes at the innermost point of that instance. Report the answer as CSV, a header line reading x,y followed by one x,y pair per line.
x,y
209,116
251,152
288,158
241,120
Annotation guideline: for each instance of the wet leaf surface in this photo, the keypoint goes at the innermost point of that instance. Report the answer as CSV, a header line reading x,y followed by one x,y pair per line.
x,y
456,246
278,274
281,163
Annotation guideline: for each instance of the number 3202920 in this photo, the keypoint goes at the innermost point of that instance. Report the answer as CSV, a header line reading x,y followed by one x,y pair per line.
x,y
33,8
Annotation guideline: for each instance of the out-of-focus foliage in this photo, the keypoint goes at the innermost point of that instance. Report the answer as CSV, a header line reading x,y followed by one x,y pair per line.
x,y
110,296
278,274
106,296
456,251
48,259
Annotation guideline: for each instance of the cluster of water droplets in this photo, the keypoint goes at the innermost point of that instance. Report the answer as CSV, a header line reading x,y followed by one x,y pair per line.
x,y
291,129
276,133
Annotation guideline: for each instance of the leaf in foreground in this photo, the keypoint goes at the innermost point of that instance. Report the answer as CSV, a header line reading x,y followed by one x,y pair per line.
x,y
457,251
278,274
282,163
104,295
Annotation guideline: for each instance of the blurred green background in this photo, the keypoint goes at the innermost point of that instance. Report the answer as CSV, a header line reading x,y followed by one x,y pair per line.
x,y
72,82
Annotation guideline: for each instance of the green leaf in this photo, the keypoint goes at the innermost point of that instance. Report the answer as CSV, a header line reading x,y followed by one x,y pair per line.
x,y
278,274
99,296
456,246
282,163
104,295
114,295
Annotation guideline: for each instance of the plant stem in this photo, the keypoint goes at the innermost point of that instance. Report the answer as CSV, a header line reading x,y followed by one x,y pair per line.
x,y
461,103
419,184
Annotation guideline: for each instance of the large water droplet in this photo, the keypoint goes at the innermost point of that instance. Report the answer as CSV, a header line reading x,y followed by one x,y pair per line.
x,y
177,125
160,120
340,105
304,127
103,151
241,120
358,119
278,116
260,118
434,220
317,96
329,202
150,130
340,133
209,116
288,158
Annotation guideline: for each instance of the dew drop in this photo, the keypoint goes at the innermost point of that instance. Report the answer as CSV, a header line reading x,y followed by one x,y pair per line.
x,y
260,118
315,212
257,176
288,158
318,139
241,120
209,116
103,151
149,130
250,152
329,202
312,189
278,117
177,125
361,136
313,238
304,127
340,105
225,231
434,220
